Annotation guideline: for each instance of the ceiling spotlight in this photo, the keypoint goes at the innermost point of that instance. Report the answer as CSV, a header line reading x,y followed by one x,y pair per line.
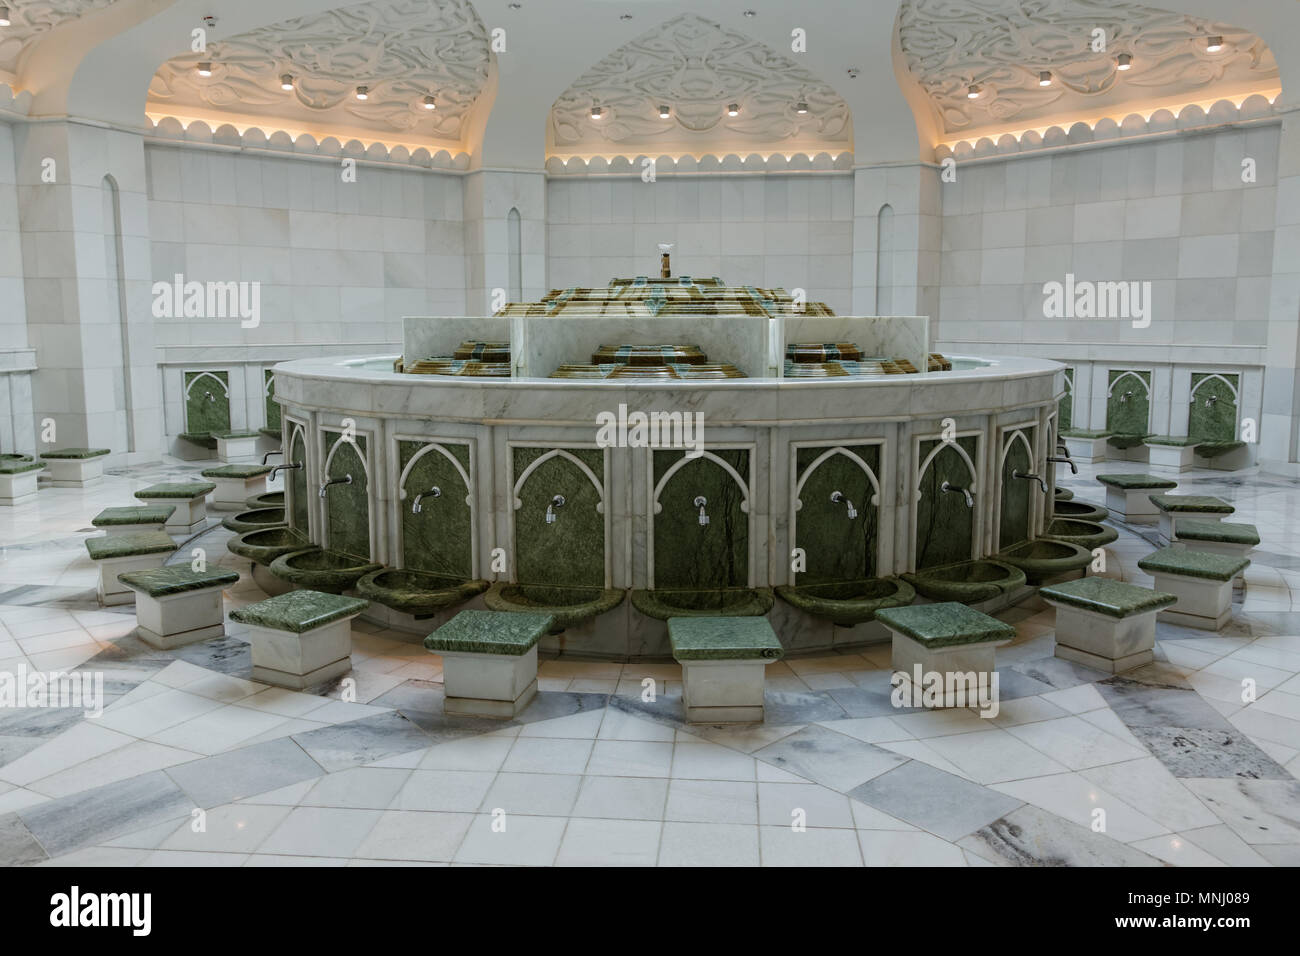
x,y
597,112
973,91
1045,78
665,112
4,16
429,103
733,109
801,107
209,21
1124,61
1213,44
286,81
363,92
204,68
853,72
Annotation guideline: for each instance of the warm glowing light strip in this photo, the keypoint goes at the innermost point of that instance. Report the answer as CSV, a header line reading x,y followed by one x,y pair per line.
x,y
698,157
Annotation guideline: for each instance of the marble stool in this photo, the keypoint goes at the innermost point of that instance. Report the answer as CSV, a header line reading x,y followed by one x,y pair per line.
x,y
489,661
1170,453
1201,581
301,638
1176,508
131,519
119,553
1105,624
190,499
1218,537
1129,496
175,605
724,663
948,646
18,481
237,447
235,484
75,467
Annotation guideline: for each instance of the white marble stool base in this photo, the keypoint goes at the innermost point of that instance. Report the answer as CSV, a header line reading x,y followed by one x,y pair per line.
x,y
488,685
298,661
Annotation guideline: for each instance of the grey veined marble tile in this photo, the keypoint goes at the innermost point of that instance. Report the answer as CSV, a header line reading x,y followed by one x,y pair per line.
x,y
1258,811
93,816
832,759
17,845
244,772
1193,752
932,799
1033,837
361,741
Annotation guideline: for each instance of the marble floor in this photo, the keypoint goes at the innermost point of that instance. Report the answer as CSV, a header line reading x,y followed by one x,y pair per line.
x,y
591,773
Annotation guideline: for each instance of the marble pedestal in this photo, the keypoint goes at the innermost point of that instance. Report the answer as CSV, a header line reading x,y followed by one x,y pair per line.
x,y
977,659
238,449
488,685
1169,522
298,661
74,472
1171,458
113,592
1227,548
1132,505
18,488
724,691
174,620
1104,643
1085,449
231,494
1202,603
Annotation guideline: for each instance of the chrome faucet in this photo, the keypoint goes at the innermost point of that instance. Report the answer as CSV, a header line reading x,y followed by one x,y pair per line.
x,y
556,502
700,502
209,396
278,451
1209,402
279,468
1028,477
836,498
1065,460
434,492
1126,396
953,489
345,480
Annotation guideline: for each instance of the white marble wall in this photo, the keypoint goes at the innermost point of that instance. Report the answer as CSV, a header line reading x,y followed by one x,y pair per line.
x,y
792,230
16,357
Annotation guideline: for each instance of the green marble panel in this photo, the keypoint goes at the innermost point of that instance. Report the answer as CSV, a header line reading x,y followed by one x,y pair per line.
x,y
686,553
438,539
945,527
347,507
570,552
1213,412
1017,493
207,403
297,484
1066,404
272,406
1128,407
837,548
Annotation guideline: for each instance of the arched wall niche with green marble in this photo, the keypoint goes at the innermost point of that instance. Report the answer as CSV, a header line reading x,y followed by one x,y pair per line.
x,y
836,547
1128,402
570,550
438,539
297,481
207,401
1212,415
347,506
1016,505
945,526
688,554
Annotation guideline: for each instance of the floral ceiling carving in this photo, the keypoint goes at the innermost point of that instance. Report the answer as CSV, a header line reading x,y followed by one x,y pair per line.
x,y
1002,45
402,50
697,67
29,20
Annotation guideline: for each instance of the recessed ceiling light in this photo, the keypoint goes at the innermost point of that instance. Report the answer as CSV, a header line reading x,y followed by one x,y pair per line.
x,y
733,109
1044,77
286,81
430,103
597,112
363,92
4,16
665,112
853,72
973,91
801,107
1213,44
1124,61
204,68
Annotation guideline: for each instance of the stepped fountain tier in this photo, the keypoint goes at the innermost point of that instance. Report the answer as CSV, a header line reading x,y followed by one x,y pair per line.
x,y
666,447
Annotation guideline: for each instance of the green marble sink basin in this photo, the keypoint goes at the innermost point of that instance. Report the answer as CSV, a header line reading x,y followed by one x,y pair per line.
x,y
271,499
709,602
567,606
1089,534
968,582
1063,494
419,593
1126,441
265,545
322,570
1045,558
1079,510
848,602
1213,449
254,520
202,439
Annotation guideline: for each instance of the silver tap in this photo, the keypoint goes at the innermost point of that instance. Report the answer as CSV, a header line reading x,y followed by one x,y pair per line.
x,y
434,492
1126,396
279,468
209,396
700,502
278,451
1065,460
1209,402
1038,478
836,498
953,489
345,480
556,503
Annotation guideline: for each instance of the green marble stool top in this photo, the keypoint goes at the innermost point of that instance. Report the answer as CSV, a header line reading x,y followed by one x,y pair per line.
x,y
236,471
76,453
173,490
134,514
723,639
270,432
203,439
1223,531
299,611
129,545
1179,504
17,467
1106,596
1136,482
510,633
227,436
177,579
1193,564
1085,433
1176,441
945,625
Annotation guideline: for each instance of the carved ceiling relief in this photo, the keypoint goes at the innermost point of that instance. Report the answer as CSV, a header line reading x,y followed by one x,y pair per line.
x,y
402,50
697,68
29,20
1002,45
